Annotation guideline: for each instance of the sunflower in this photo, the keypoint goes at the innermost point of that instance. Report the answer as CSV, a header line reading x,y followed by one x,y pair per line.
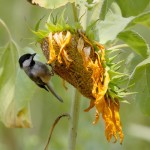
x,y
83,63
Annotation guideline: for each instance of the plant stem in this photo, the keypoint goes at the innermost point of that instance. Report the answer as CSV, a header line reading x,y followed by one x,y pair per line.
x,y
53,126
74,120
5,26
75,108
9,34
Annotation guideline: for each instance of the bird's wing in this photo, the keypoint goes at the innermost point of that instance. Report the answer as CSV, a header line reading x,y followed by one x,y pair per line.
x,y
42,86
42,71
38,81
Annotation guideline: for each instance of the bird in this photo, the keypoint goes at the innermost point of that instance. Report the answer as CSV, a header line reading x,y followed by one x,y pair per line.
x,y
37,72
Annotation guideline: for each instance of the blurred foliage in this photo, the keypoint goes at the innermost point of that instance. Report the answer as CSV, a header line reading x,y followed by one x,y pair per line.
x,y
118,20
132,8
50,4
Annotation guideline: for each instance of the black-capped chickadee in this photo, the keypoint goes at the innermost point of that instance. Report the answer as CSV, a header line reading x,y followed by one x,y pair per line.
x,y
37,72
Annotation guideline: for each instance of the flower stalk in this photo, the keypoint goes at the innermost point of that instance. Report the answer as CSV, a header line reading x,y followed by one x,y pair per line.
x,y
74,120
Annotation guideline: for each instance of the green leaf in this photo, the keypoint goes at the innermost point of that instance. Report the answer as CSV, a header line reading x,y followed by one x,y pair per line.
x,y
51,4
24,91
132,7
14,97
40,34
89,12
135,41
143,19
94,13
7,81
140,79
105,7
36,28
90,30
113,24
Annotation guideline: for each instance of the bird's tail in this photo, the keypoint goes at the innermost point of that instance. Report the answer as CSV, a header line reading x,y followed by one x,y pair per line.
x,y
54,93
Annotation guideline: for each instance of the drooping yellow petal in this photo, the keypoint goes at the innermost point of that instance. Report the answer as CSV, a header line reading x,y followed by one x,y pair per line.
x,y
62,39
92,104
116,119
62,52
66,58
110,114
57,38
105,107
110,129
101,51
52,55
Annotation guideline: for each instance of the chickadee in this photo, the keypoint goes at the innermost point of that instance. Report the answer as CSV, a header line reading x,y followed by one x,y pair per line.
x,y
37,72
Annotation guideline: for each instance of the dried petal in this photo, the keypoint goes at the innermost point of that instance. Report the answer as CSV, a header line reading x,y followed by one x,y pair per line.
x,y
80,45
52,55
62,52
87,73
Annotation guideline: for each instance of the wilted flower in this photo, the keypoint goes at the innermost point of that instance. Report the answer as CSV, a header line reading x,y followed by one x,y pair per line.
x,y
82,63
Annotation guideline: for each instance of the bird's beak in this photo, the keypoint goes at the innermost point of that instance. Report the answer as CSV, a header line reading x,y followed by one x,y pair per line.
x,y
33,55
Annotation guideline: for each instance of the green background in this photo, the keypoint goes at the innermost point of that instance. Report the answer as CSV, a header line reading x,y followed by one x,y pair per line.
x,y
45,108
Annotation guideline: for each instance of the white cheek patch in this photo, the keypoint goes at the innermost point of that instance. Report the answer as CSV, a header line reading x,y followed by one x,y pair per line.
x,y
27,62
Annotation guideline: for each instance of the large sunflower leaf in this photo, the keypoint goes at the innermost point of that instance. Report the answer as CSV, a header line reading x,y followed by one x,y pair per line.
x,y
89,11
7,80
105,8
131,7
135,41
143,19
140,79
14,96
113,24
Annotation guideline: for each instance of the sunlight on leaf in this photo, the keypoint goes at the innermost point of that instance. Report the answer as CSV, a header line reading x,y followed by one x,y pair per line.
x,y
113,24
51,4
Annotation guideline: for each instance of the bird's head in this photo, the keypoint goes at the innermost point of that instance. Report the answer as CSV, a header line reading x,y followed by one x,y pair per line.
x,y
26,60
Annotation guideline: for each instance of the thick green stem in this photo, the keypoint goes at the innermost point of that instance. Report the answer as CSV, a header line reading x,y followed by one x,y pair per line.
x,y
74,120
75,108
